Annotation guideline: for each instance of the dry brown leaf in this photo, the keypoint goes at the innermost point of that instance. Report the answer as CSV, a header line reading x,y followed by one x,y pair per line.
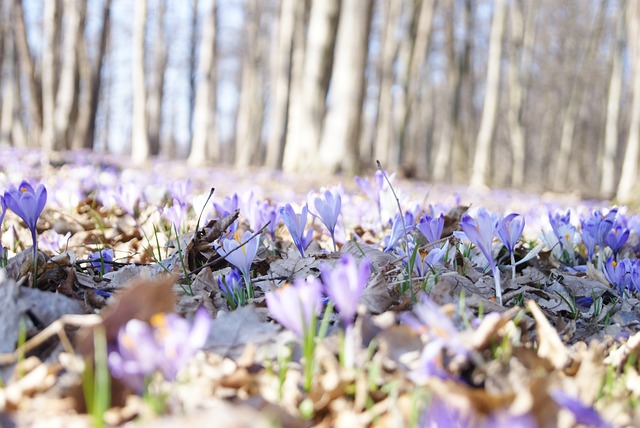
x,y
550,346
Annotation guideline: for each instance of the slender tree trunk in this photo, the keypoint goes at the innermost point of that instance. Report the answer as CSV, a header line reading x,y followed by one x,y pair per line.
x,y
520,56
443,155
308,105
250,109
388,56
49,75
66,95
156,88
139,136
283,67
204,144
84,135
608,174
629,174
561,173
490,107
341,135
28,69
411,80
193,61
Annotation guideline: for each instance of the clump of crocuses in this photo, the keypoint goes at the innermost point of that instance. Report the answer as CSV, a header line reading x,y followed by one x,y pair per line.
x,y
240,252
164,345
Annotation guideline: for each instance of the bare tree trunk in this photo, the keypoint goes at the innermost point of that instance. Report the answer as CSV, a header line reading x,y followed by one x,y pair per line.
x,y
250,108
308,104
561,173
411,80
28,69
490,107
443,155
608,174
204,144
139,136
520,56
283,67
384,122
75,15
49,75
629,174
83,136
193,44
341,135
156,87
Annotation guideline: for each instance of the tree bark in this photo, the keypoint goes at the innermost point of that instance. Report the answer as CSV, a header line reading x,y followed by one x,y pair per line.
x,y
250,109
283,67
49,75
491,98
341,135
28,69
156,87
84,134
608,171
309,103
561,174
629,174
520,56
75,16
204,144
193,64
139,136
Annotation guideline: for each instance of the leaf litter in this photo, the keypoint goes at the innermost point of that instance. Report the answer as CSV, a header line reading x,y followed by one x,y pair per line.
x,y
501,362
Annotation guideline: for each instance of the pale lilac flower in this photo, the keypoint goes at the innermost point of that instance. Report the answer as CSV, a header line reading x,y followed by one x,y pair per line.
x,y
166,344
345,282
296,224
617,238
231,288
584,414
328,210
180,190
564,231
619,274
27,203
176,215
431,227
293,306
243,257
227,206
102,260
510,229
480,232
261,213
127,197
399,228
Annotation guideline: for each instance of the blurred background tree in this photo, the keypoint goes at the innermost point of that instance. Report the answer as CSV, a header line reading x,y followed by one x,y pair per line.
x,y
534,94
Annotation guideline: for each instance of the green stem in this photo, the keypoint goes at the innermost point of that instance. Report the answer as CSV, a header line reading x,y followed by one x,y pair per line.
x,y
34,237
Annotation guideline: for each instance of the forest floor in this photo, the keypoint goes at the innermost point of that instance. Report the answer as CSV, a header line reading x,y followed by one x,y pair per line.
x,y
430,346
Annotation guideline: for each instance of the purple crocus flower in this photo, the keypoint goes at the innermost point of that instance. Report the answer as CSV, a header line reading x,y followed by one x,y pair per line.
x,y
101,260
4,211
431,227
564,231
231,288
242,258
296,224
261,213
328,210
595,230
583,414
176,214
294,305
127,197
616,239
27,203
480,232
618,273
510,229
227,206
165,344
399,228
345,283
